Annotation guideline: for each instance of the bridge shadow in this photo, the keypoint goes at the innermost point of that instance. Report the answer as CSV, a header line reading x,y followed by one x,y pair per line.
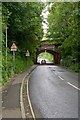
x,y
45,64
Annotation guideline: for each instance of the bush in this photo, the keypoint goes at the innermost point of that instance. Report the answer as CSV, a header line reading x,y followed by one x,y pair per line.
x,y
20,65
75,67
70,63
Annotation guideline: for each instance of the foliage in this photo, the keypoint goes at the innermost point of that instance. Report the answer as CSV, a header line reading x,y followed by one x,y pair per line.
x,y
46,55
24,26
63,28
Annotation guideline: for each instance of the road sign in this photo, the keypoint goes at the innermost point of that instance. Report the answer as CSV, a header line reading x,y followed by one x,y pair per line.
x,y
13,47
27,53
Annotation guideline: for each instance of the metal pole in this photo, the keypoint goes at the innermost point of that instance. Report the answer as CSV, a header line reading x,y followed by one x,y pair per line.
x,y
26,59
13,61
6,52
6,44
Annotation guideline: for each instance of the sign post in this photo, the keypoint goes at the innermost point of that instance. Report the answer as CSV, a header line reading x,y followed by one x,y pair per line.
x,y
6,52
14,49
13,61
27,54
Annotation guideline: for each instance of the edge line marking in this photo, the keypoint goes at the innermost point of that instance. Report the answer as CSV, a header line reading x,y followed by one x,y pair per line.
x,y
55,73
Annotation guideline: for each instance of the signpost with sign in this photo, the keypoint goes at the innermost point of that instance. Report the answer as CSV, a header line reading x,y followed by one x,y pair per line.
x,y
14,49
27,53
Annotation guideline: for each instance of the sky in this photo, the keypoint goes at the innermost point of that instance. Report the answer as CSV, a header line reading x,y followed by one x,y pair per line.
x,y
45,14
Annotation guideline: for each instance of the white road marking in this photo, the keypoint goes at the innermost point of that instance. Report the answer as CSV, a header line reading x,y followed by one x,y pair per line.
x,y
55,73
73,86
60,77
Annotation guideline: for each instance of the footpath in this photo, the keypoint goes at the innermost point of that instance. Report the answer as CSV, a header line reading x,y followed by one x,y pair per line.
x,y
13,98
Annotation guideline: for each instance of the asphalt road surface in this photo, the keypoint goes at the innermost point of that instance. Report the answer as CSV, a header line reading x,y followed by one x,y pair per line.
x,y
54,92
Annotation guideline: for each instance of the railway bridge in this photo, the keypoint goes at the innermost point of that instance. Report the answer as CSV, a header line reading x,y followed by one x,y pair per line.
x,y
50,48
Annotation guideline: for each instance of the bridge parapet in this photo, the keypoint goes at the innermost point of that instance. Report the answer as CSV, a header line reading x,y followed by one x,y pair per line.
x,y
51,47
47,48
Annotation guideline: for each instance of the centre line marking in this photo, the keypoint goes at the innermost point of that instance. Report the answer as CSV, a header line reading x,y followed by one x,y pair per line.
x,y
60,77
55,73
73,86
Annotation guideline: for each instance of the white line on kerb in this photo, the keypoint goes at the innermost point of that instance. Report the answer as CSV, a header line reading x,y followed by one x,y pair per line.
x,y
73,86
60,77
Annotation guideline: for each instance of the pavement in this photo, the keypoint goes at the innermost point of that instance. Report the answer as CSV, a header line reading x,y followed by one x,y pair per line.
x,y
54,92
11,107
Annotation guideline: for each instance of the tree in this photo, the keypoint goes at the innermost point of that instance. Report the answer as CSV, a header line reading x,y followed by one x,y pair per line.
x,y
63,28
25,28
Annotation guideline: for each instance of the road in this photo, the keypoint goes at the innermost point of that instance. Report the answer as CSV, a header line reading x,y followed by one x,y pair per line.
x,y
54,92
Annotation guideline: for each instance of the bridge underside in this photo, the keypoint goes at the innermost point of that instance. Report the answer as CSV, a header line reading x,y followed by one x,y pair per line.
x,y
50,48
56,55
